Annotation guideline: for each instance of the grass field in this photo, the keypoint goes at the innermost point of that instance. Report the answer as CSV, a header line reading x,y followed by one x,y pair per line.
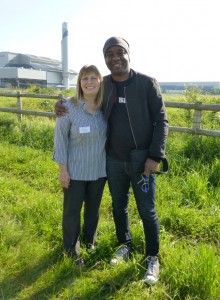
x,y
32,263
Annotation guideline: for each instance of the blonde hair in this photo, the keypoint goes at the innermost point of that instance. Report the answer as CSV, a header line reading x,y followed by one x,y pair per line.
x,y
79,92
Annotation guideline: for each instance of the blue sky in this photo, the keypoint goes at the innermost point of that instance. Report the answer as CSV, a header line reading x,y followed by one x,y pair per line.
x,y
171,40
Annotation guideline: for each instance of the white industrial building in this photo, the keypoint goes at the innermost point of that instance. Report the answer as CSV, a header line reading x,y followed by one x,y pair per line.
x,y
179,87
23,70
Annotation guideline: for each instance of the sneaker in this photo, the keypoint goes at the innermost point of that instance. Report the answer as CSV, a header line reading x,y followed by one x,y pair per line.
x,y
122,254
79,262
90,248
152,274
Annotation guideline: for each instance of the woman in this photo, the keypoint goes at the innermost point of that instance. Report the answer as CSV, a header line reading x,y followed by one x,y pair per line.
x,y
79,149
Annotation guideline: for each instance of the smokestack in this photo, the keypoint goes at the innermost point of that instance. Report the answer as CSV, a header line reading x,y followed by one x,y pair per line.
x,y
64,52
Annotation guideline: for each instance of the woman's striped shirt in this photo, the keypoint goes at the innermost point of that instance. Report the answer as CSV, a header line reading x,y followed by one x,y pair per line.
x,y
79,142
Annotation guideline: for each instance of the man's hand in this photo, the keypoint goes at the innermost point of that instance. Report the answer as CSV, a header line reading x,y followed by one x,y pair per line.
x,y
60,109
151,167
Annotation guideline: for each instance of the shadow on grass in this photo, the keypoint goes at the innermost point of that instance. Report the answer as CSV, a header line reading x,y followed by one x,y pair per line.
x,y
111,285
99,290
12,285
6,125
64,277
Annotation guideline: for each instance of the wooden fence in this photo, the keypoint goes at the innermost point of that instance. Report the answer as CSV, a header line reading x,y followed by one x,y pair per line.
x,y
198,107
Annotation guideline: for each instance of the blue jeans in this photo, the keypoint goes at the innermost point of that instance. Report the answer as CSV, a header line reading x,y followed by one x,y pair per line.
x,y
120,177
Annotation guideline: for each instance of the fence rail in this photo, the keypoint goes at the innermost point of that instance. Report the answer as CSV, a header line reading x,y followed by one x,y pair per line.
x,y
198,107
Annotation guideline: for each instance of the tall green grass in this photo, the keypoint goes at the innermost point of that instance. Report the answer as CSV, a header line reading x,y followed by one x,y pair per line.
x,y
32,262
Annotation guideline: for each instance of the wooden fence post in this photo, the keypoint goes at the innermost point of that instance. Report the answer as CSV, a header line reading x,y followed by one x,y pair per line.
x,y
19,105
197,116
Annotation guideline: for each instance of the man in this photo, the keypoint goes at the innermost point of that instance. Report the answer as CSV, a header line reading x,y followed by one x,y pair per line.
x,y
136,115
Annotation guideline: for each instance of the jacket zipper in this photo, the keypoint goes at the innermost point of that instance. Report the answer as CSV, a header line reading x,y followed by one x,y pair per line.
x,y
108,100
129,119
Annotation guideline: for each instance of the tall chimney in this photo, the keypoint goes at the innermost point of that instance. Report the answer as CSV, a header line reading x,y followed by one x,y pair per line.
x,y
64,53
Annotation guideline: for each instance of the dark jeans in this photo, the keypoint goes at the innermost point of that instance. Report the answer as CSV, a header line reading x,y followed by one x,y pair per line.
x,y
119,179
89,192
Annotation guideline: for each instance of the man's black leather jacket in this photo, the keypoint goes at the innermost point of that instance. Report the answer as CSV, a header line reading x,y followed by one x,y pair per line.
x,y
146,112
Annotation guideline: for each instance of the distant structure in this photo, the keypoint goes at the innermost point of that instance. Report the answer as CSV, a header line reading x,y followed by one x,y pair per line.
x,y
64,52
23,70
179,87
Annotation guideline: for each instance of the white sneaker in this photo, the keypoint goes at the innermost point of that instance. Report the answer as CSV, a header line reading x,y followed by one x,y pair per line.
x,y
152,274
122,254
90,248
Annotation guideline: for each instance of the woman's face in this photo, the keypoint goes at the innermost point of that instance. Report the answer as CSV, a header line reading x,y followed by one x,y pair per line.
x,y
90,84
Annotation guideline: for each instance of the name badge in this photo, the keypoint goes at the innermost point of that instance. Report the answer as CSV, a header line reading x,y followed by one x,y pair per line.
x,y
84,129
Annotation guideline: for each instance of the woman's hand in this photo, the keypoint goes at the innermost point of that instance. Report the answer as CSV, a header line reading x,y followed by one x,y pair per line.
x,y
64,177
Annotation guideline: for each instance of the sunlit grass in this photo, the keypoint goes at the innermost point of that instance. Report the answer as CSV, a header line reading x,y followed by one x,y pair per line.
x,y
32,264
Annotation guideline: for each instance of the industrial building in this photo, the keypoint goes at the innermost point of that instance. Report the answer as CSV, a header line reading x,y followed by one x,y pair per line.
x,y
180,87
23,70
